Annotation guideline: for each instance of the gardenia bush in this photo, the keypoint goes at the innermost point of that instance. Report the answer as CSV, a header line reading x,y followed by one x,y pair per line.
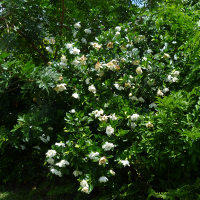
x,y
114,87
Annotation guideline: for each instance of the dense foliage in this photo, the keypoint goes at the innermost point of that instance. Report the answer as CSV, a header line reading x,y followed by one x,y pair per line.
x,y
100,98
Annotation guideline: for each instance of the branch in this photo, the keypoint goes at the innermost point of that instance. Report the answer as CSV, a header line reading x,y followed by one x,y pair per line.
x,y
44,58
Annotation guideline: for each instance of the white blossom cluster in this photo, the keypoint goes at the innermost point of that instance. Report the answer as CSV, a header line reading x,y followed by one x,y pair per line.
x,y
60,87
173,77
93,155
56,172
62,163
85,186
50,153
95,72
72,50
109,130
108,146
100,115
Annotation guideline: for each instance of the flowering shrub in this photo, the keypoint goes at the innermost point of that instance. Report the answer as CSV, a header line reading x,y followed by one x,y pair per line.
x,y
114,109
116,116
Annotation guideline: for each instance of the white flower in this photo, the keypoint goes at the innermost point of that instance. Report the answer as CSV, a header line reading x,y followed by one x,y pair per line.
x,y
175,79
118,87
117,33
149,125
77,25
84,183
118,28
69,46
83,40
103,118
169,78
160,93
135,117
152,105
103,179
92,88
87,81
144,58
175,57
60,87
112,117
141,100
125,163
62,163
56,172
85,190
149,51
72,111
166,55
49,49
97,113
96,45
133,125
108,146
176,73
63,59
50,153
102,160
93,155
112,65
75,95
75,62
109,130
112,172
77,173
165,90
50,161
88,31
60,144
139,70
74,51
